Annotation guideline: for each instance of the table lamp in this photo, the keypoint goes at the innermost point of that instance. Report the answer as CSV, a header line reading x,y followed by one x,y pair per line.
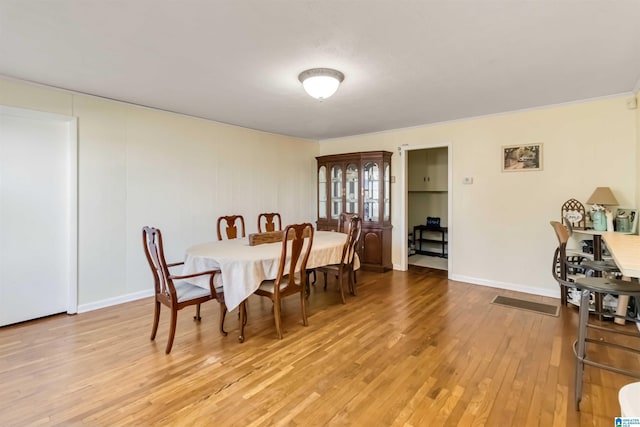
x,y
601,197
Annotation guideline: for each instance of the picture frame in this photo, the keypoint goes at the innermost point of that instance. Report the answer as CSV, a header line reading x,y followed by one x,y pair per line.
x,y
633,218
523,157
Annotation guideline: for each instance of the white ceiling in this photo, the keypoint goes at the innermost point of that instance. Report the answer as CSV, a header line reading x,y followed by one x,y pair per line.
x,y
406,63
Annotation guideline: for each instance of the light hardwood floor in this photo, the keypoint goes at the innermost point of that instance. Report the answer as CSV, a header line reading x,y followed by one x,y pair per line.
x,y
412,349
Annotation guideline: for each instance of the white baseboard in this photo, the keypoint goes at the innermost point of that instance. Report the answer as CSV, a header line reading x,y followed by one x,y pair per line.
x,y
500,285
509,286
83,308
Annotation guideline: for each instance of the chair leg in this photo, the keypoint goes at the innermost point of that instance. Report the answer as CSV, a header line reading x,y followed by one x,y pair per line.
x,y
325,280
156,319
242,311
197,316
276,315
303,309
246,316
341,285
581,344
223,313
172,329
352,282
307,285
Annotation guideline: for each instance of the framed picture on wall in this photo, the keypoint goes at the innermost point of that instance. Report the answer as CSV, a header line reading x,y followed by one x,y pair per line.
x,y
525,157
626,220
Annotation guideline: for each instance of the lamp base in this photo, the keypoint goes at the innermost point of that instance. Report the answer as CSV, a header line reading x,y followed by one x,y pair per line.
x,y
599,221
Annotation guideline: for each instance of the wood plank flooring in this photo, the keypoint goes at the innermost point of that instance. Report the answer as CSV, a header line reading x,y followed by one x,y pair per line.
x,y
412,349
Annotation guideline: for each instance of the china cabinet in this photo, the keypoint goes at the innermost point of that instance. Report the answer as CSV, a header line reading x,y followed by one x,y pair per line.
x,y
359,183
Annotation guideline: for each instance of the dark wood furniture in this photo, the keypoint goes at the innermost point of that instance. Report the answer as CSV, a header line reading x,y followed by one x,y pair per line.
x,y
230,224
344,221
344,225
291,281
344,270
359,183
269,222
171,290
419,238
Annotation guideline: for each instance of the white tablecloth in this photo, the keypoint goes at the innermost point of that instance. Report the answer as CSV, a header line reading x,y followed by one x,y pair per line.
x,y
243,267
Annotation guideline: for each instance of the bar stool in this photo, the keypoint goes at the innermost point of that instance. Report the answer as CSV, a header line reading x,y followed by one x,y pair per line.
x,y
605,286
586,286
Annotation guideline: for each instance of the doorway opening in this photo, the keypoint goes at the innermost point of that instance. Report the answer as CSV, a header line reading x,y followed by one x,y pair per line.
x,y
427,206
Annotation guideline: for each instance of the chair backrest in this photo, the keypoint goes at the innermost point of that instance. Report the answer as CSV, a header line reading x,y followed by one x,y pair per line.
x,y
351,246
560,254
153,249
344,221
296,247
562,234
230,224
269,222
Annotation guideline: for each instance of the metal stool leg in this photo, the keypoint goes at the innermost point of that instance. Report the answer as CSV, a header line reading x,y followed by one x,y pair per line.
x,y
581,344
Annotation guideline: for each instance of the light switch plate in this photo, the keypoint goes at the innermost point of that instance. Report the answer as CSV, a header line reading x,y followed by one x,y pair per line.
x,y
467,180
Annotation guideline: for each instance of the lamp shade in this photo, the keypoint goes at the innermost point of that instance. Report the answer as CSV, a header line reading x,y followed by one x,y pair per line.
x,y
602,196
321,83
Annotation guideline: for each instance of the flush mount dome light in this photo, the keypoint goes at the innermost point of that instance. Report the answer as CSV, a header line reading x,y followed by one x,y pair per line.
x,y
321,83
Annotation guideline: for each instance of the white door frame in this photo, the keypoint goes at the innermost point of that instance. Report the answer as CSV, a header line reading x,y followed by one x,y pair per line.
x,y
72,219
403,200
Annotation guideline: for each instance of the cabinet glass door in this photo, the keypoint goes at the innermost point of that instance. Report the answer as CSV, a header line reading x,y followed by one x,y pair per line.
x,y
387,191
371,189
322,192
352,188
336,191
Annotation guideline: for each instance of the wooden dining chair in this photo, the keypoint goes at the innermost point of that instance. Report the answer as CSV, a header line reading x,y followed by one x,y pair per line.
x,y
269,222
344,224
230,224
345,269
172,290
344,221
291,278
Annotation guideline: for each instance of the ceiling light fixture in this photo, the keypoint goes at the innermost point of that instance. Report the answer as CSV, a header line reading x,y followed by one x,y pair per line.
x,y
321,83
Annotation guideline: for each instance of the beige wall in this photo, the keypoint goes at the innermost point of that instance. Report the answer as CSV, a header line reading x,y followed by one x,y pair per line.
x,y
637,178
499,229
139,166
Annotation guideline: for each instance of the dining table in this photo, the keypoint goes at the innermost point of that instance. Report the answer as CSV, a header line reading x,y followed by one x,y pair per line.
x,y
625,250
244,267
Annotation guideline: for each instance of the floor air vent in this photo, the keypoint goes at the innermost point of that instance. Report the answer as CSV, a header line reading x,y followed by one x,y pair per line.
x,y
537,307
